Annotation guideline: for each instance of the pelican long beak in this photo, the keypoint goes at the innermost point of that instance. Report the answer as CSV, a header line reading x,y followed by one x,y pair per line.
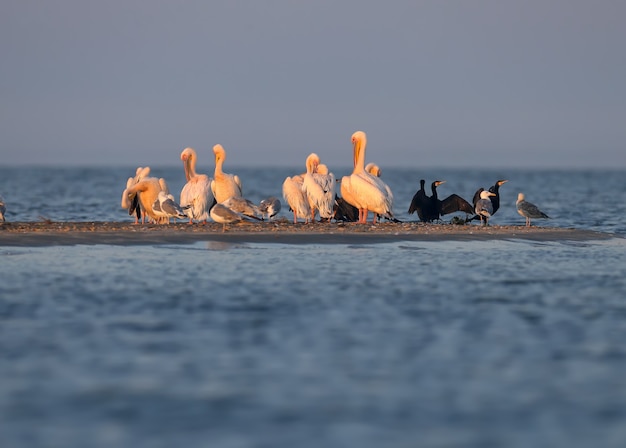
x,y
186,167
355,152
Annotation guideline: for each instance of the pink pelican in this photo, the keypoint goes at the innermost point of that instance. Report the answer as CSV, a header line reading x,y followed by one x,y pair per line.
x,y
295,197
319,188
195,197
363,190
223,185
147,191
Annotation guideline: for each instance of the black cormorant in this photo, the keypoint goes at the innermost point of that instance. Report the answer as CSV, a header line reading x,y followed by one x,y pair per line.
x,y
495,200
432,208
344,211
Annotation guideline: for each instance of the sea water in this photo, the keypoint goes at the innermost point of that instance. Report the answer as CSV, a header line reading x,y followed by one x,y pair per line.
x,y
456,343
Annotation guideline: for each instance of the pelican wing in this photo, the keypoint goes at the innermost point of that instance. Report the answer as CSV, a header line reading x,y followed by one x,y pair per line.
x,y
294,196
196,197
372,192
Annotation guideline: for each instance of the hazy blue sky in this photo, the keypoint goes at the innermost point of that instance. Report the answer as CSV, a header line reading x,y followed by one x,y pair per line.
x,y
433,83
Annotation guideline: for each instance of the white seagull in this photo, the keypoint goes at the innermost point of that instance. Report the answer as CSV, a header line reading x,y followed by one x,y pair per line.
x,y
528,210
223,215
484,207
165,208
270,207
242,206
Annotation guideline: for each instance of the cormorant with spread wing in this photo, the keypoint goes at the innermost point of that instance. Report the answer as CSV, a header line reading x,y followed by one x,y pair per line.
x,y
432,208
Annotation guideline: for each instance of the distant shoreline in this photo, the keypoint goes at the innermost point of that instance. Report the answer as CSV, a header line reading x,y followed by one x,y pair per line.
x,y
41,234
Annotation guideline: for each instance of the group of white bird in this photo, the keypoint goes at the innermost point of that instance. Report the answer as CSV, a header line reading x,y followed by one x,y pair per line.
x,y
308,194
220,198
314,191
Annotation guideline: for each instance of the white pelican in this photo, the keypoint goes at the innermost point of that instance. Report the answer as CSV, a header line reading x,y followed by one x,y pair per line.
x,y
295,197
165,208
528,210
147,191
3,209
375,170
224,185
270,207
195,197
363,190
132,203
242,206
484,207
319,186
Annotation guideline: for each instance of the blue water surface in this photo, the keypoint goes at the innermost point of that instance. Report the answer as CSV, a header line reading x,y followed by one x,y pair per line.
x,y
452,343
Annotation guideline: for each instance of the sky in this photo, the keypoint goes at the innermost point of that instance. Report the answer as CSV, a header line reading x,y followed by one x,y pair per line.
x,y
436,83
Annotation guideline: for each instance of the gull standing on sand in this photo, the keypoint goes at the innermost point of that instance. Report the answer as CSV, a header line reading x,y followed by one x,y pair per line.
x,y
528,210
270,207
242,206
484,207
363,190
165,208
195,197
224,185
495,199
223,215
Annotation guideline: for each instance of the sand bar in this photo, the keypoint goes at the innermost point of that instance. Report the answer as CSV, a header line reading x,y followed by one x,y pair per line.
x,y
34,234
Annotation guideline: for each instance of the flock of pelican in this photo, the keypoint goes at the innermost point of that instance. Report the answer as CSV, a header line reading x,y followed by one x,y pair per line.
x,y
307,194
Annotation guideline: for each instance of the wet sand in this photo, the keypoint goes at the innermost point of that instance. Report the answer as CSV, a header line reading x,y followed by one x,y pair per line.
x,y
47,233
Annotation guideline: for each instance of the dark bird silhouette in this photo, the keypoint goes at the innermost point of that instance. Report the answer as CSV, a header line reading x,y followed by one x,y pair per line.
x,y
432,208
495,200
135,208
344,211
419,202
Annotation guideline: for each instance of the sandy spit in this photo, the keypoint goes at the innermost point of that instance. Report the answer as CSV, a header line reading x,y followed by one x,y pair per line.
x,y
48,233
